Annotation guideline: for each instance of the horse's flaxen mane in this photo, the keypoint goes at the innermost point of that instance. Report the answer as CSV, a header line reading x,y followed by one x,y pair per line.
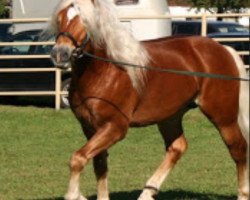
x,y
100,19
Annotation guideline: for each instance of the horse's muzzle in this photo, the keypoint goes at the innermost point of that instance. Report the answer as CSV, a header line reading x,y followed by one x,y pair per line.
x,y
60,56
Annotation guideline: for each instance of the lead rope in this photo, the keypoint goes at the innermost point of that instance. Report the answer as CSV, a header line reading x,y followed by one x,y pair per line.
x,y
79,52
172,71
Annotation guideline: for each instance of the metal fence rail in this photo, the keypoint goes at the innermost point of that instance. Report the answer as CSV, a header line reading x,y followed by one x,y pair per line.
x,y
58,72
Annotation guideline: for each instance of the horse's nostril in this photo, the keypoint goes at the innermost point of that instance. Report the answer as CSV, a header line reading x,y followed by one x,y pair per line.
x,y
60,55
65,56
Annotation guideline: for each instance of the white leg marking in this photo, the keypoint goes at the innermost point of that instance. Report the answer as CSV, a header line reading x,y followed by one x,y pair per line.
x,y
146,195
73,190
102,189
156,180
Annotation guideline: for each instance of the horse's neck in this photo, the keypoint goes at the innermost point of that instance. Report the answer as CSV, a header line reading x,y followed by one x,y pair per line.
x,y
85,64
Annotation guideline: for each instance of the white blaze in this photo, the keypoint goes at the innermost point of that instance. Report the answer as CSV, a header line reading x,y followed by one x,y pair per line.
x,y
72,13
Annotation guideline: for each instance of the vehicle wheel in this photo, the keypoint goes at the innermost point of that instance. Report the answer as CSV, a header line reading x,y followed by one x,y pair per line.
x,y
65,88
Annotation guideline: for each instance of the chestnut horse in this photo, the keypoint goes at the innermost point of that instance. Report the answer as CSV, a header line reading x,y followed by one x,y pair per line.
x,y
108,98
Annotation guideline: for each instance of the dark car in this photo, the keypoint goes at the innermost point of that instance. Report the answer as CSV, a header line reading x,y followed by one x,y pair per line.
x,y
29,81
5,31
191,27
239,46
216,29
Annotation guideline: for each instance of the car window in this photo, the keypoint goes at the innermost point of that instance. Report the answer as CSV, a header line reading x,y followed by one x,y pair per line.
x,y
43,49
230,28
28,36
126,2
22,49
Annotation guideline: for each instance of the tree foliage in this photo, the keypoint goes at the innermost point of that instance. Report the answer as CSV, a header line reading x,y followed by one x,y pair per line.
x,y
179,2
221,5
4,12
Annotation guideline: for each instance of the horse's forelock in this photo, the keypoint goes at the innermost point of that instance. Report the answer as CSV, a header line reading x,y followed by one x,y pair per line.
x,y
52,28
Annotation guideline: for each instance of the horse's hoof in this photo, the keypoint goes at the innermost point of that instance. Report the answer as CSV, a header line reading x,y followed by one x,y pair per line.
x,y
243,198
144,196
74,197
103,199
82,198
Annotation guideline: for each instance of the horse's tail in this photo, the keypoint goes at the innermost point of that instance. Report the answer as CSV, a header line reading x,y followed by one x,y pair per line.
x,y
243,115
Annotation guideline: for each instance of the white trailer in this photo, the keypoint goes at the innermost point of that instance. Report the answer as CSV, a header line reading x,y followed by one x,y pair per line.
x,y
145,29
142,29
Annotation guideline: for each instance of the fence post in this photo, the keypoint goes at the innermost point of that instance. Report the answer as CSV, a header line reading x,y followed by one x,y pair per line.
x,y
58,89
204,24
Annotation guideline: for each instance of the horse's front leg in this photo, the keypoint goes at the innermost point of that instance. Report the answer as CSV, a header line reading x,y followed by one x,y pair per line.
x,y
106,135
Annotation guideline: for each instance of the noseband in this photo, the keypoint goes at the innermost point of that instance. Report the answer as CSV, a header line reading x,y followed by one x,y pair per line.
x,y
78,51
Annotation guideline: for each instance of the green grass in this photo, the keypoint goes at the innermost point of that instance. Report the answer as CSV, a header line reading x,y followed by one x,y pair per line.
x,y
36,144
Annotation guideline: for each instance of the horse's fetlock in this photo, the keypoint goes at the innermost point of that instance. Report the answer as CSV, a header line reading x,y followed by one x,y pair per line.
x,y
146,195
244,193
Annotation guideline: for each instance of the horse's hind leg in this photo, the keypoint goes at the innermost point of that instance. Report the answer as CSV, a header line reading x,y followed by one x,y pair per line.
x,y
225,112
176,145
237,146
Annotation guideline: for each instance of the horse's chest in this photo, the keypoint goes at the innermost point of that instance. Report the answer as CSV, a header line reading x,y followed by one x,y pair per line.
x,y
95,108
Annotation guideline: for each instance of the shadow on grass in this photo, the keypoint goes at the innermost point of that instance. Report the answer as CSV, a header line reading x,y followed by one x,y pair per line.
x,y
169,195
28,101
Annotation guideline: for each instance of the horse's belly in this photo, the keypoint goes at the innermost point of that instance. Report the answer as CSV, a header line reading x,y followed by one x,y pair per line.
x,y
165,95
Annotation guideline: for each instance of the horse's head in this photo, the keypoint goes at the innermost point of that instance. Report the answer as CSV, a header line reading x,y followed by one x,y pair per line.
x,y
72,22
71,37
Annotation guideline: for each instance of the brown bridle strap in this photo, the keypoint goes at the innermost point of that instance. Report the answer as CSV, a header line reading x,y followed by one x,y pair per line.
x,y
69,36
78,51
73,40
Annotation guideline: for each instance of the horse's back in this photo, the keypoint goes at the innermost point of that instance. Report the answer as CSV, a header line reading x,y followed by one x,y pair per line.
x,y
191,53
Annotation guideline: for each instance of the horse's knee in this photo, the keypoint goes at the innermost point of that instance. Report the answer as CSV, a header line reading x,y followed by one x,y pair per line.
x,y
178,148
77,162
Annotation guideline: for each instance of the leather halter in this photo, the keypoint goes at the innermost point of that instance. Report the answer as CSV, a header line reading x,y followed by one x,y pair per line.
x,y
78,51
